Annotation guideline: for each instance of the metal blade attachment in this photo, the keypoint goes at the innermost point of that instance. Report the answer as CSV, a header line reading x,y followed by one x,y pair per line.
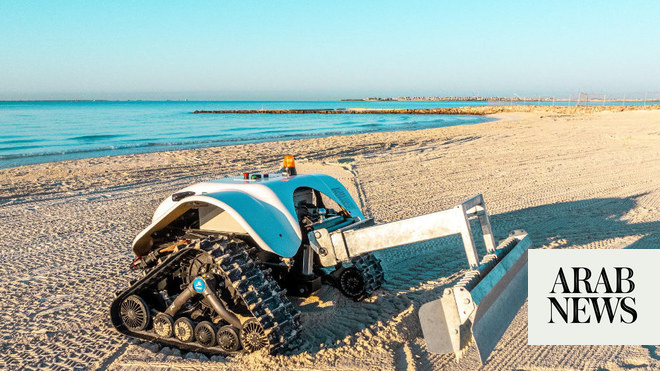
x,y
482,305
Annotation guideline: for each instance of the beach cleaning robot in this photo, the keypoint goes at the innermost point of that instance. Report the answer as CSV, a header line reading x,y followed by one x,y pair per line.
x,y
220,258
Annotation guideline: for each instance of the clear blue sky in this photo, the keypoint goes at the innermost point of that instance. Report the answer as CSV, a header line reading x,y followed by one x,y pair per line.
x,y
325,49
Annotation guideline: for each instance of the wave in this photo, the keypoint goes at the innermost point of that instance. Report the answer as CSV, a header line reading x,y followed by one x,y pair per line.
x,y
110,149
220,139
116,148
95,137
345,123
283,131
205,136
242,128
95,145
18,147
18,141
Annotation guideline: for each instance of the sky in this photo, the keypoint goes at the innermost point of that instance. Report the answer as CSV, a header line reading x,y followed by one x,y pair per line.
x,y
308,50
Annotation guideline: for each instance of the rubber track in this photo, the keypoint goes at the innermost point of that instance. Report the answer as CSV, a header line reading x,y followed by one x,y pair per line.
x,y
372,272
259,291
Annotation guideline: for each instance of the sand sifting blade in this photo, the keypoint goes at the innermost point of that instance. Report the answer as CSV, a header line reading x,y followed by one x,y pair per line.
x,y
482,314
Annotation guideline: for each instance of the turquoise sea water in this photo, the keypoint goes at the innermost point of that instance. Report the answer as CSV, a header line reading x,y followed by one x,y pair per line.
x,y
35,132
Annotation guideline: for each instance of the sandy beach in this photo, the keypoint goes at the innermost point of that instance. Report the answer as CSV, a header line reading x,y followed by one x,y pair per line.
x,y
571,179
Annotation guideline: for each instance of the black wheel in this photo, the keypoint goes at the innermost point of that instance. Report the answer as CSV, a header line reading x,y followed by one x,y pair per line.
x,y
351,283
163,325
228,338
253,336
184,329
135,313
205,333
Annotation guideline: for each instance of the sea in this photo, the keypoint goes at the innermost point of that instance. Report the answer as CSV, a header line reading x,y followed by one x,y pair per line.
x,y
34,132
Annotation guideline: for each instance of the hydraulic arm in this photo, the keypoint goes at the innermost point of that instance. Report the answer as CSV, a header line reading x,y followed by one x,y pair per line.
x,y
480,306
340,241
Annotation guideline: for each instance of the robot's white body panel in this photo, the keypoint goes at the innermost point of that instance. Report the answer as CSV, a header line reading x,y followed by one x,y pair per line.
x,y
264,208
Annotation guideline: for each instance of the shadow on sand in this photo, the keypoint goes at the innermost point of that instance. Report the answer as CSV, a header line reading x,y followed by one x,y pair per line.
x,y
418,273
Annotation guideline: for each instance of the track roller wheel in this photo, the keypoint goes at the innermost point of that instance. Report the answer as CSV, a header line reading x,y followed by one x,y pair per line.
x,y
253,336
184,329
205,333
228,338
351,283
135,313
163,325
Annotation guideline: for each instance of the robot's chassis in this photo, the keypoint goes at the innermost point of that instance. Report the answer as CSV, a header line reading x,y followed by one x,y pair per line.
x,y
219,257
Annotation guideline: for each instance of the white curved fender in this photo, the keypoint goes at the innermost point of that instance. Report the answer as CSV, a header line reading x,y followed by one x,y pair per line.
x,y
277,235
264,208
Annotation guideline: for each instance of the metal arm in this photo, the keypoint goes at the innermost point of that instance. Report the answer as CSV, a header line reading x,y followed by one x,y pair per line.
x,y
483,303
339,245
202,286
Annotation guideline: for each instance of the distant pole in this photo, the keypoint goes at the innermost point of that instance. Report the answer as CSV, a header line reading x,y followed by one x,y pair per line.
x,y
645,98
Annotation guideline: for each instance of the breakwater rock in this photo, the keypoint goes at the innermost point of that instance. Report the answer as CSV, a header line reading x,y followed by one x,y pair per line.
x,y
468,110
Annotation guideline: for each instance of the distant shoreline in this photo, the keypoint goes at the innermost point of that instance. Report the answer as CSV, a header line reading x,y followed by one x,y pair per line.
x,y
495,99
466,110
377,99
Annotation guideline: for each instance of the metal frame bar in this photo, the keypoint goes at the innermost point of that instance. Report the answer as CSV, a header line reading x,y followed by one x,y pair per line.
x,y
487,299
435,225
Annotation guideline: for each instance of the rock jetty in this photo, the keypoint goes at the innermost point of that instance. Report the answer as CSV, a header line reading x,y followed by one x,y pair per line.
x,y
467,110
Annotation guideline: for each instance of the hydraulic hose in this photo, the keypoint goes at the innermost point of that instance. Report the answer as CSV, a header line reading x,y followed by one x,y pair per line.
x,y
217,305
181,300
201,286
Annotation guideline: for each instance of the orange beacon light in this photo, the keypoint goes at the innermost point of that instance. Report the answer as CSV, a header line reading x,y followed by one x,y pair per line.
x,y
289,165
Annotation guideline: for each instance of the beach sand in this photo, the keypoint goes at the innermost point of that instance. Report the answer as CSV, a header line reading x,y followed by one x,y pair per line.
x,y
581,180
